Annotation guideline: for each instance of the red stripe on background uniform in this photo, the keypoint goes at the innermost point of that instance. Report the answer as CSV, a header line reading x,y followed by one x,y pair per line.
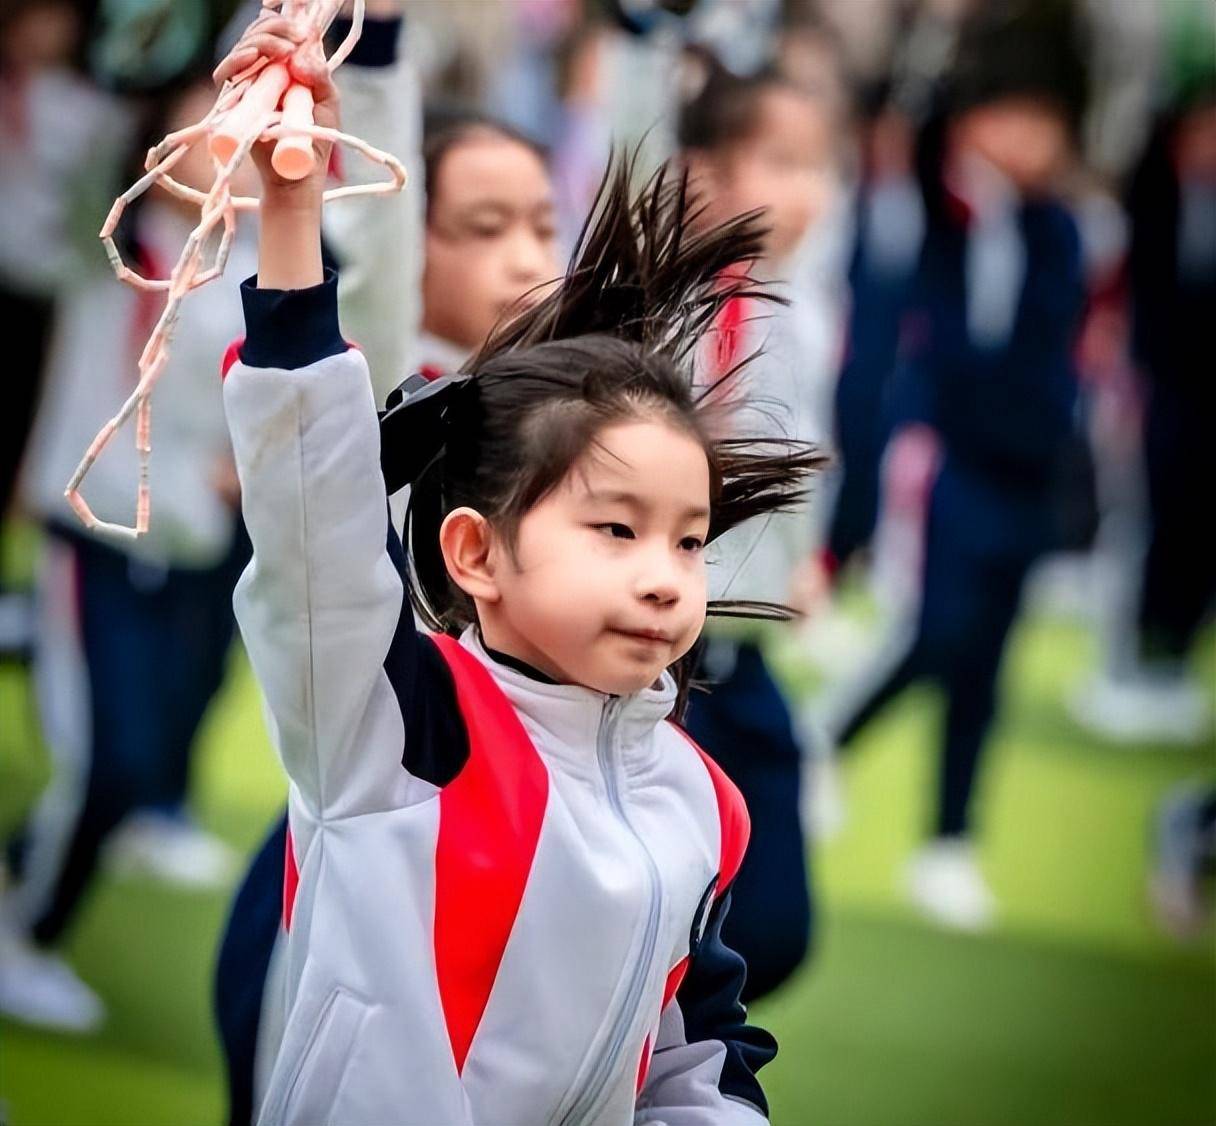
x,y
490,818
728,330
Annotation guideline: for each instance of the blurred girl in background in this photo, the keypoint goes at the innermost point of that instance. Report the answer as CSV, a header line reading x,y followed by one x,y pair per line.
x,y
763,144
135,633
490,237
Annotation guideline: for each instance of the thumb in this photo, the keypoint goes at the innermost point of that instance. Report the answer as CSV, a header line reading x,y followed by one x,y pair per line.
x,y
309,68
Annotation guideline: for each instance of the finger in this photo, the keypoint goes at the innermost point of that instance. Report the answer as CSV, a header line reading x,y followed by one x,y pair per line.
x,y
275,36
275,46
275,25
235,62
309,69
249,50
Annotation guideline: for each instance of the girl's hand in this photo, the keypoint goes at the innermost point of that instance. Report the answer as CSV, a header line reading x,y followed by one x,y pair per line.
x,y
289,233
277,39
913,457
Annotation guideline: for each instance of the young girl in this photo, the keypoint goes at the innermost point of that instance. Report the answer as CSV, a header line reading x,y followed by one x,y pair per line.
x,y
507,873
489,242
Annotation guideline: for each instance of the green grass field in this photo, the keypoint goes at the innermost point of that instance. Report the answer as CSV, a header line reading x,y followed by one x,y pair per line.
x,y
1076,1012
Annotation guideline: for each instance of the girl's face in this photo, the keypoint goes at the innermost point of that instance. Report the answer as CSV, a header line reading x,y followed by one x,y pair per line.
x,y
1026,139
605,586
43,35
491,237
783,168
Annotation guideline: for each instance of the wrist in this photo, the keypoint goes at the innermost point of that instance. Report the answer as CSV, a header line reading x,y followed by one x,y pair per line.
x,y
289,246
290,199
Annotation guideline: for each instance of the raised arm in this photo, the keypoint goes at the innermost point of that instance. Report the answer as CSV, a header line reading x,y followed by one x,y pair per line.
x,y
323,599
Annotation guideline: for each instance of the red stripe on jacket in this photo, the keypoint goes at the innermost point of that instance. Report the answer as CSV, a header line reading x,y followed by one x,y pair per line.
x,y
490,818
291,880
733,818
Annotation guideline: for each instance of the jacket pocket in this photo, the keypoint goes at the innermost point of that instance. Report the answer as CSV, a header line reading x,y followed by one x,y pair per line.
x,y
305,1092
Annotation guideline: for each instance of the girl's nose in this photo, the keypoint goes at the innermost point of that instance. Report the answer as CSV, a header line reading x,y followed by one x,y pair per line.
x,y
529,259
658,581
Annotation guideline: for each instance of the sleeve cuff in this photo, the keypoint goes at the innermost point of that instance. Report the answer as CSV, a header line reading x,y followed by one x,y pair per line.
x,y
290,328
377,46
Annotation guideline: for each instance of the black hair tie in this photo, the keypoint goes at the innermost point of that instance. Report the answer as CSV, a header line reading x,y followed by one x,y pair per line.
x,y
413,427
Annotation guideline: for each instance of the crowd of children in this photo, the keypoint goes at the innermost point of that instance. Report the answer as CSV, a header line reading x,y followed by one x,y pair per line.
x,y
512,561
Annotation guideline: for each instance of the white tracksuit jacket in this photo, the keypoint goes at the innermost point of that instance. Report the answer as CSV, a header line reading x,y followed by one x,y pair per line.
x,y
504,895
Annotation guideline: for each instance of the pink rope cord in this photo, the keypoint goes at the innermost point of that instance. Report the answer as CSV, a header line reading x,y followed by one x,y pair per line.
x,y
276,110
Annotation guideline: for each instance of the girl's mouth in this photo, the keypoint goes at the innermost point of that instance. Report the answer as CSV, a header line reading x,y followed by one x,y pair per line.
x,y
654,636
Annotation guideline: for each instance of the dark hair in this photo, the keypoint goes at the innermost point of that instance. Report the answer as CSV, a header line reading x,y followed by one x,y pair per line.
x,y
445,126
615,341
1033,49
719,107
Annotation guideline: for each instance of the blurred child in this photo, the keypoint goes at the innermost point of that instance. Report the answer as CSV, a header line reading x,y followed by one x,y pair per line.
x,y
489,243
500,854
53,126
491,235
1150,695
762,144
984,404
134,633
890,227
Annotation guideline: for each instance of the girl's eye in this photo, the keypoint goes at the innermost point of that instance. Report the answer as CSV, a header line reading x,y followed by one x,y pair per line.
x,y
691,543
616,531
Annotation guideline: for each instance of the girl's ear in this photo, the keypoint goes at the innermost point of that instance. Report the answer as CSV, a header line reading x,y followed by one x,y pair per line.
x,y
466,540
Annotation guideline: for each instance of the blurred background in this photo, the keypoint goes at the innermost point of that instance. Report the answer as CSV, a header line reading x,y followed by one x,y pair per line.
x,y
995,225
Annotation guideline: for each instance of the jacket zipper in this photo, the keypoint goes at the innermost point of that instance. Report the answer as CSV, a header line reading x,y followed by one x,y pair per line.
x,y
581,1112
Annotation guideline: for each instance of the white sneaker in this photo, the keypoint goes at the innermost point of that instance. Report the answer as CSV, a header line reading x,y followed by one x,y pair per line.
x,y
944,883
172,850
42,989
1143,709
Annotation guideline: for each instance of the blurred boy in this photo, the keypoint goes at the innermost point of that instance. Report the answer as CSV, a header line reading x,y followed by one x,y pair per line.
x,y
984,397
1149,694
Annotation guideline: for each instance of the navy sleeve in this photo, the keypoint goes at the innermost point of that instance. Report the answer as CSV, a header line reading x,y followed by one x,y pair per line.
x,y
436,739
709,1002
291,328
377,45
